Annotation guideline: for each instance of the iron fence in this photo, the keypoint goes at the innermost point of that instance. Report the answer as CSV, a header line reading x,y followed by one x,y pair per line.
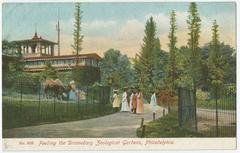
x,y
26,105
215,115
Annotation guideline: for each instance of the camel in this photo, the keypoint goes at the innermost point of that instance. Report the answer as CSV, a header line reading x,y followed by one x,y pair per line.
x,y
53,88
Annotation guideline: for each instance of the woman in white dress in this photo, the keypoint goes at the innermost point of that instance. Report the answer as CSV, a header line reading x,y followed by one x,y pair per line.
x,y
124,107
153,103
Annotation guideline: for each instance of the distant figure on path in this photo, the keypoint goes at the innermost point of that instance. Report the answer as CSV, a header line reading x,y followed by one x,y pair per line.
x,y
116,100
153,102
124,107
134,102
139,102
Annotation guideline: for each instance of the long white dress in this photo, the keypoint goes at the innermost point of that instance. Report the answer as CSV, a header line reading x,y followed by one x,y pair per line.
x,y
153,103
124,107
130,104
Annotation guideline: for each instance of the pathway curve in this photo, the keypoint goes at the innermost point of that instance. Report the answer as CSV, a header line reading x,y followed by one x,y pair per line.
x,y
121,124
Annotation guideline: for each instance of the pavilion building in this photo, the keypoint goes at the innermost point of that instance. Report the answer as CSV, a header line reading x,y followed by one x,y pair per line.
x,y
37,52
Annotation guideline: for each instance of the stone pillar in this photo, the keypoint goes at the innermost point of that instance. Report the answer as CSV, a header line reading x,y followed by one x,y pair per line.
x,y
52,50
38,48
45,48
24,49
27,49
21,49
48,50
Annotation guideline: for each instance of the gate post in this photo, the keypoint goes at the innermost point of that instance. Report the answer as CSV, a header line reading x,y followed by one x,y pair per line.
x,y
21,102
39,101
179,108
216,103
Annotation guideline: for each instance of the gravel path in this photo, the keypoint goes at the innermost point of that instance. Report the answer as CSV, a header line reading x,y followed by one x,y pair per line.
x,y
207,118
118,125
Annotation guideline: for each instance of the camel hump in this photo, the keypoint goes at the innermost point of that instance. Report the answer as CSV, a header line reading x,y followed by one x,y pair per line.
x,y
51,83
59,82
48,82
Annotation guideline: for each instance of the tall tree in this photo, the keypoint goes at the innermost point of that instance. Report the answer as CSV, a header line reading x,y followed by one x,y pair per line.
x,y
194,24
215,60
172,74
146,57
160,59
77,37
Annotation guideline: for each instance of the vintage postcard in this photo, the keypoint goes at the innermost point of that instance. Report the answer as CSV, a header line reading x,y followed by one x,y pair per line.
x,y
88,75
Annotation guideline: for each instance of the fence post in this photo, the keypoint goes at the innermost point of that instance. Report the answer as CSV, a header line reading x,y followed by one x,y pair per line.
x,y
154,116
54,107
179,107
68,106
99,100
78,101
216,102
39,101
87,100
142,121
143,131
21,94
195,107
164,112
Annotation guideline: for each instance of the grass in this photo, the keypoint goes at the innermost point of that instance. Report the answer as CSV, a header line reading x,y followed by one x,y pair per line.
x,y
225,104
224,131
29,112
168,127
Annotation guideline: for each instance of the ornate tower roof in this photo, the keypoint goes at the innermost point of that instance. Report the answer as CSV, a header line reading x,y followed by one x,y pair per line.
x,y
35,36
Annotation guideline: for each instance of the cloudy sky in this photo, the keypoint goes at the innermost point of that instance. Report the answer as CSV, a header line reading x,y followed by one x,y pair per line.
x,y
114,25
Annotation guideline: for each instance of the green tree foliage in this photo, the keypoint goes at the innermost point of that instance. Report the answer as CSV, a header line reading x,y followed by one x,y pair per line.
x,y
10,48
86,76
145,62
78,38
116,69
229,55
183,71
216,61
194,23
229,66
49,72
160,59
172,70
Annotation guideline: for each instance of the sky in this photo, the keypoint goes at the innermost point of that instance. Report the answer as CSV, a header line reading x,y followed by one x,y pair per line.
x,y
114,25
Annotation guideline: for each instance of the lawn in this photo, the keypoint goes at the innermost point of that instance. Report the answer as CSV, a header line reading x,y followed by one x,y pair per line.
x,y
29,112
168,127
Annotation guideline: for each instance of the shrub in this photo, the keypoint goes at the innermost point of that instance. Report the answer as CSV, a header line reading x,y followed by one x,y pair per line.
x,y
202,95
231,90
166,97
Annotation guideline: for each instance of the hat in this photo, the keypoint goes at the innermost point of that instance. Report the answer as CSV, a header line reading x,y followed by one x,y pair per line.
x,y
72,82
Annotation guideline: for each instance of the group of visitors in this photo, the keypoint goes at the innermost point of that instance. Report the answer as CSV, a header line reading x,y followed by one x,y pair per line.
x,y
132,101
